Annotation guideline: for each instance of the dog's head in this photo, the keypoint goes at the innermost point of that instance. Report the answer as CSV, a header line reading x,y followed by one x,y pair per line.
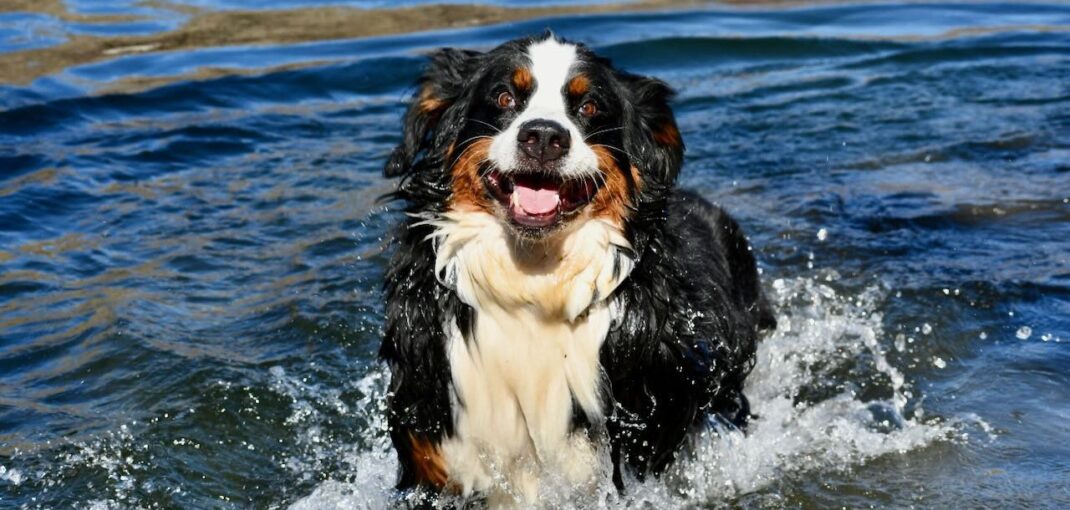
x,y
540,133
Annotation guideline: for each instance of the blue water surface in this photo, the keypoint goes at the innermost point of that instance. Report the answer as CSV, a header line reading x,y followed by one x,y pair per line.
x,y
190,274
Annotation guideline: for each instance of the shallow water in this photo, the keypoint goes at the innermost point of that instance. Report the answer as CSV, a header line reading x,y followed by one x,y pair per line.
x,y
190,275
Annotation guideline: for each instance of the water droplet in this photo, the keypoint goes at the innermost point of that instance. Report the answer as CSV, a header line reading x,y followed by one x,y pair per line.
x,y
926,329
939,362
822,234
1024,333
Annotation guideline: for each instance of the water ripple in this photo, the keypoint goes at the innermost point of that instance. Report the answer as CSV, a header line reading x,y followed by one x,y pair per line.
x,y
192,251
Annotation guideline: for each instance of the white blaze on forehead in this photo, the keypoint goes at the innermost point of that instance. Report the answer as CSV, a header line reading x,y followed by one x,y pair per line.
x,y
551,65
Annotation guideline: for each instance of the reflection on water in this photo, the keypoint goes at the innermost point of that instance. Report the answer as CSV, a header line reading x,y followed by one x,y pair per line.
x,y
190,268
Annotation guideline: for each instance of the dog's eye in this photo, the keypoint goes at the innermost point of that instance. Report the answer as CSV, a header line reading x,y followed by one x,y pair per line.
x,y
588,109
506,100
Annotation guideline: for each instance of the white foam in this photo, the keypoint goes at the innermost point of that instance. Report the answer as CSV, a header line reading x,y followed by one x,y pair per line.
x,y
114,455
820,333
810,419
12,476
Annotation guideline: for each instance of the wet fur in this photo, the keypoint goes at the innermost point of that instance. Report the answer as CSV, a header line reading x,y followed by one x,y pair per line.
x,y
680,299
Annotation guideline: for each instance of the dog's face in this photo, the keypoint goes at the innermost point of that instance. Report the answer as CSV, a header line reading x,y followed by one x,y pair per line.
x,y
542,134
540,109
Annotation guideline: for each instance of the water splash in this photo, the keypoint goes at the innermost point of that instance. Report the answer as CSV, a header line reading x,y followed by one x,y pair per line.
x,y
366,475
825,395
12,476
811,414
821,333
115,458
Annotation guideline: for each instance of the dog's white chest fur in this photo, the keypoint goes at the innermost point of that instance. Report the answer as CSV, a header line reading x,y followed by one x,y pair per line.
x,y
541,315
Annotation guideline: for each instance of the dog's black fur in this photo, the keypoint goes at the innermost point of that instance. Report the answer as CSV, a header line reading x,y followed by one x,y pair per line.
x,y
692,307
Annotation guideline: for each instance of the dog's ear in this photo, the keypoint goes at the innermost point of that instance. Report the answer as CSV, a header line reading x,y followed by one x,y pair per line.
x,y
651,137
441,85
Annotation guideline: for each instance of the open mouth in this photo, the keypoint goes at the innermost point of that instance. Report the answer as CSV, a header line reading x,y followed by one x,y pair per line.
x,y
539,200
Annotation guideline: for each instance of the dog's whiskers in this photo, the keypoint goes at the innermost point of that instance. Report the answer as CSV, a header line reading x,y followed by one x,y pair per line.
x,y
607,130
477,137
600,176
492,126
468,148
615,148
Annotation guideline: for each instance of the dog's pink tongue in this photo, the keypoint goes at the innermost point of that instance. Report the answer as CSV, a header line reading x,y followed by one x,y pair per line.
x,y
535,201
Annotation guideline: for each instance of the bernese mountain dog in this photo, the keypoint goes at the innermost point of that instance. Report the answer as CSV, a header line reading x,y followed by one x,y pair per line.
x,y
555,307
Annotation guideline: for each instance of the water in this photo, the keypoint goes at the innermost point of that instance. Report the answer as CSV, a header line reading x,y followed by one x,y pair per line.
x,y
190,268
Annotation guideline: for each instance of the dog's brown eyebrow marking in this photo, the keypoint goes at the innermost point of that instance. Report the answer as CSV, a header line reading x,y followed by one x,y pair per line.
x,y
668,134
428,102
522,79
579,85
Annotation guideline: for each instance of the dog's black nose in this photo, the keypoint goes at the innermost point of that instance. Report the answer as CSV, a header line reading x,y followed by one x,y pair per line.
x,y
543,140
